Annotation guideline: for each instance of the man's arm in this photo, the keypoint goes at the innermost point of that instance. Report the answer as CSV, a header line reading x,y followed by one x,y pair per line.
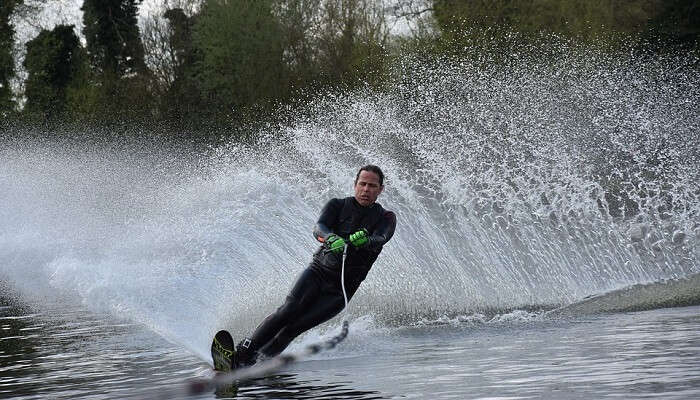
x,y
329,216
383,232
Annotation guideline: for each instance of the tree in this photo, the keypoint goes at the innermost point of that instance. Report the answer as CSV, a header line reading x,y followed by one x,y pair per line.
x,y
112,35
7,63
299,22
581,19
240,62
678,23
119,75
52,62
167,41
352,41
171,57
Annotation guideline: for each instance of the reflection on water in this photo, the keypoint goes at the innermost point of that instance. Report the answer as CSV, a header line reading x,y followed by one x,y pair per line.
x,y
57,352
76,354
290,386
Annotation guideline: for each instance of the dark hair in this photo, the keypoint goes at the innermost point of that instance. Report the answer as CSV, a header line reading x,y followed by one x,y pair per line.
x,y
372,168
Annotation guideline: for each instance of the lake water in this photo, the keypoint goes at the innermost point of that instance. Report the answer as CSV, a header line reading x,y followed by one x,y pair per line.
x,y
54,352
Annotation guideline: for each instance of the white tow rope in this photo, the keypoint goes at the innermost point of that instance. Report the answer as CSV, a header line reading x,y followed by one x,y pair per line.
x,y
342,279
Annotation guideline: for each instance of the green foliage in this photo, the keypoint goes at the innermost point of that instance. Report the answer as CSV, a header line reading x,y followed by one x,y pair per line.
x,y
120,80
250,55
241,48
180,102
352,42
298,23
181,40
677,23
112,35
7,66
52,62
584,20
238,60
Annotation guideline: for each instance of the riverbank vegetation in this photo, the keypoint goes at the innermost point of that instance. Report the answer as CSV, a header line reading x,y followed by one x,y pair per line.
x,y
196,67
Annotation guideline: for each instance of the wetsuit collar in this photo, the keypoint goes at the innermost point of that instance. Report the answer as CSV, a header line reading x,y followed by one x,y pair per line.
x,y
357,204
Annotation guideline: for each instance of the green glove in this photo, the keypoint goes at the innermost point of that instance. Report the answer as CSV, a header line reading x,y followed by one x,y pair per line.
x,y
360,238
335,243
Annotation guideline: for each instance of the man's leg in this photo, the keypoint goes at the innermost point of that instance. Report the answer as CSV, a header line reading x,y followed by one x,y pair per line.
x,y
306,289
324,308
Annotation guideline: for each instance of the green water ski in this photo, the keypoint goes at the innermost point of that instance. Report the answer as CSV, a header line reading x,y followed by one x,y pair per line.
x,y
223,351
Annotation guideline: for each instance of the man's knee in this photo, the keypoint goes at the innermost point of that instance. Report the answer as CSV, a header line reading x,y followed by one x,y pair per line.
x,y
290,308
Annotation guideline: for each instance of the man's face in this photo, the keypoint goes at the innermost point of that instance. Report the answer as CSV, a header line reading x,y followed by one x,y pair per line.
x,y
367,188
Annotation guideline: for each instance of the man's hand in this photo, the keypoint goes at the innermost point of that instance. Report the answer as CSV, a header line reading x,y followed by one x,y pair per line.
x,y
335,243
360,238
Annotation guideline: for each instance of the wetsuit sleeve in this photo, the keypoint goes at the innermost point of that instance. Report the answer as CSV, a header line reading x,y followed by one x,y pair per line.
x,y
384,231
329,217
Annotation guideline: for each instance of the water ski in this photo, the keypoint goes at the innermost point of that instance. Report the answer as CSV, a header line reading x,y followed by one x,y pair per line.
x,y
223,351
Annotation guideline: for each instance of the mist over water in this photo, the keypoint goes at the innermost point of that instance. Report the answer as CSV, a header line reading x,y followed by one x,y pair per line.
x,y
526,184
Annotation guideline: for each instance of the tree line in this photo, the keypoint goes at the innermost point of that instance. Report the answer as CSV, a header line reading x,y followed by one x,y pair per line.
x,y
203,63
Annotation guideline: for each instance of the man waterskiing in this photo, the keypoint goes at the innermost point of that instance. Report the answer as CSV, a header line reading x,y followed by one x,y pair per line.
x,y
317,296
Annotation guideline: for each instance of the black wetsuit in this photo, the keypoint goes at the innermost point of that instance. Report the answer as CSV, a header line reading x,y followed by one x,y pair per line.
x,y
317,295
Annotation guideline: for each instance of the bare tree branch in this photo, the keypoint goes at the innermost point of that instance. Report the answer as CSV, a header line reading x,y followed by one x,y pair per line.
x,y
410,8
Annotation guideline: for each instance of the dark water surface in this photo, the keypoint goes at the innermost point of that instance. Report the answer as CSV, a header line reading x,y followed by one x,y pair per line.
x,y
55,353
